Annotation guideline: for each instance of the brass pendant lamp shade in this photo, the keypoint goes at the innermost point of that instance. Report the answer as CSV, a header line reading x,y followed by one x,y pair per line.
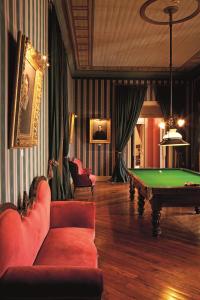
x,y
172,137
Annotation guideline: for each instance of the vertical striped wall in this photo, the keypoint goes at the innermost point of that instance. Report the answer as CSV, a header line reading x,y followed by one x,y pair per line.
x,y
18,167
94,98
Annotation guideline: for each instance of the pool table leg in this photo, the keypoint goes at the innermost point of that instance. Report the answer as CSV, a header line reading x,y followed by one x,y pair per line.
x,y
131,189
156,230
141,202
197,209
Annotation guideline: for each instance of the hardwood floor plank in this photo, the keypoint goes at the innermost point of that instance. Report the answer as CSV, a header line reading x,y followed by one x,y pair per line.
x,y
136,265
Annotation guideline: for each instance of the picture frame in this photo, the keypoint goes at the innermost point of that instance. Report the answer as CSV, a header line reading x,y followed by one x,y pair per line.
x,y
29,69
71,127
100,131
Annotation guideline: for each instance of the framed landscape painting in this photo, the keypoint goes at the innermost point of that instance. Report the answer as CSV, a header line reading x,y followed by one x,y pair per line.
x,y
29,71
100,131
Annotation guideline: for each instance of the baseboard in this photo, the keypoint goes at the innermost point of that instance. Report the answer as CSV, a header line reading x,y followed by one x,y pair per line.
x,y
103,178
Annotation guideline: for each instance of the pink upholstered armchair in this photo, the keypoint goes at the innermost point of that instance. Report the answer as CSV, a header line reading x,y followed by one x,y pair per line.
x,y
82,177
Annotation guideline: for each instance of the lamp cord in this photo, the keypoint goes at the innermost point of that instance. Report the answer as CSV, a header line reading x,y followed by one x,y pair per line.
x,y
170,65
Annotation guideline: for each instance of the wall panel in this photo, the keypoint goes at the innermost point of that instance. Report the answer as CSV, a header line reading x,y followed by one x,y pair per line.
x,y
18,167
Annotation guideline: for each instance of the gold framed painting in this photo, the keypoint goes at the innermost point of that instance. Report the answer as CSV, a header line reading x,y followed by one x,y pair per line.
x,y
71,127
100,131
29,70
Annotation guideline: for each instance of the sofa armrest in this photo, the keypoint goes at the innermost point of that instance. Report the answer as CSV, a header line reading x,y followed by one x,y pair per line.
x,y
72,214
51,282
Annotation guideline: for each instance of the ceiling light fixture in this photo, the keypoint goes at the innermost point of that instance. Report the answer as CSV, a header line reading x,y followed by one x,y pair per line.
x,y
172,137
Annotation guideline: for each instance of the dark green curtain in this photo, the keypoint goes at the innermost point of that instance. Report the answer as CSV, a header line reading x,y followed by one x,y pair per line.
x,y
129,100
66,172
195,126
162,94
58,113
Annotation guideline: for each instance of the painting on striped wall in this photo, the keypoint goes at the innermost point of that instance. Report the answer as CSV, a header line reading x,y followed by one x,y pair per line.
x,y
95,98
19,166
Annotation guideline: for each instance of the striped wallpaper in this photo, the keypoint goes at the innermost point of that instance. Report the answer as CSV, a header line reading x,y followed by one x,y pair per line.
x,y
94,98
18,167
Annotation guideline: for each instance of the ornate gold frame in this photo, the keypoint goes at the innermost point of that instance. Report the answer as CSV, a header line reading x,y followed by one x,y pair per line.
x,y
105,123
24,121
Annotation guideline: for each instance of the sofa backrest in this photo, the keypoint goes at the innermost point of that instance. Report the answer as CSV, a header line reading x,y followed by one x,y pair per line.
x,y
21,236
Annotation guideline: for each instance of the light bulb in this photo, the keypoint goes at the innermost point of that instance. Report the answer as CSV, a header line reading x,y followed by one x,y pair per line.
x,y
162,125
181,122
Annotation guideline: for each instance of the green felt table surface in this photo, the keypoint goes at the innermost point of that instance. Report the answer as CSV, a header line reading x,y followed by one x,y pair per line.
x,y
166,177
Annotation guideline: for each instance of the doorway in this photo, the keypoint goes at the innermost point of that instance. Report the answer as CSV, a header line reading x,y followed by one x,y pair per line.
x,y
147,152
143,150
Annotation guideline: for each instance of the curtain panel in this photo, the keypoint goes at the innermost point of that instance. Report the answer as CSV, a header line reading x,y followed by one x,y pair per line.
x,y
162,94
194,126
129,101
179,104
59,176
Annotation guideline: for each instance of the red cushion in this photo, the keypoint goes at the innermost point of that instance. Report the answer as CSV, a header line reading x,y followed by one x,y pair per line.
x,y
73,214
87,171
80,166
21,238
71,247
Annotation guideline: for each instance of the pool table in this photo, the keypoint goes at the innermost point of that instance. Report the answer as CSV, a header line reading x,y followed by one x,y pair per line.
x,y
164,188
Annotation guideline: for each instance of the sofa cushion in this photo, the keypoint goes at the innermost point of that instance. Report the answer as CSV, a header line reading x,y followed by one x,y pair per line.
x,y
73,214
22,237
71,247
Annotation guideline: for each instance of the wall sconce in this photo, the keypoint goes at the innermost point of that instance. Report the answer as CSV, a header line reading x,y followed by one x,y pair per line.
x,y
72,117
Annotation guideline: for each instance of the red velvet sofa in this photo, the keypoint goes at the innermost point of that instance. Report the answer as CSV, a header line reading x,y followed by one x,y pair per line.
x,y
49,253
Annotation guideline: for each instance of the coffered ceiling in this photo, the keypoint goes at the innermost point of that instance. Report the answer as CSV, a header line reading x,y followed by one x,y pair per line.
x,y
110,36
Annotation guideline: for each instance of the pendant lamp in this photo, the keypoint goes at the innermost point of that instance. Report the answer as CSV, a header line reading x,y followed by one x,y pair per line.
x,y
172,137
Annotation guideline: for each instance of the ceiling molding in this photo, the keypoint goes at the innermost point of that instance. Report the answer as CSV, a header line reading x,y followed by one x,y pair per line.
x,y
128,75
77,23
80,22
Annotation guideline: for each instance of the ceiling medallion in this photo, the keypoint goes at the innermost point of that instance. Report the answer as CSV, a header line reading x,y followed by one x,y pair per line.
x,y
175,4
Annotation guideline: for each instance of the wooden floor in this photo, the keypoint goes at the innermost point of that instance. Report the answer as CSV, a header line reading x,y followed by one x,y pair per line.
x,y
136,265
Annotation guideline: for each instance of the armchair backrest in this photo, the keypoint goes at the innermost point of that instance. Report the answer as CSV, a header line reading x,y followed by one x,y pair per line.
x,y
73,167
79,164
